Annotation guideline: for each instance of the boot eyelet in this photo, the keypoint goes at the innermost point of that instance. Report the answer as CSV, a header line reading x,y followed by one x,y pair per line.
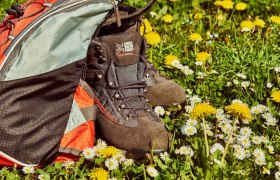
x,y
145,90
119,109
126,118
117,95
111,83
147,75
122,106
146,100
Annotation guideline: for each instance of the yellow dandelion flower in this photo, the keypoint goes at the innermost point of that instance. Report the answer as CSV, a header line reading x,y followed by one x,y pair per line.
x,y
195,37
239,110
202,56
218,3
146,26
173,0
202,110
153,38
99,174
198,16
227,4
109,151
170,58
275,19
247,25
168,18
276,96
240,6
259,23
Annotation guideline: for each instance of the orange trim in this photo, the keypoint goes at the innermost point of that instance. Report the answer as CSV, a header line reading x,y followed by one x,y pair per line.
x,y
66,157
82,98
5,162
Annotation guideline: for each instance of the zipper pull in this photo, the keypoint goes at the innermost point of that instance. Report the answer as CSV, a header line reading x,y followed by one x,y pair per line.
x,y
116,9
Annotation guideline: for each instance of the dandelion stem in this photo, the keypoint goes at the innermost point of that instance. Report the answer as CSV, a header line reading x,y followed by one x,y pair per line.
x,y
228,142
205,138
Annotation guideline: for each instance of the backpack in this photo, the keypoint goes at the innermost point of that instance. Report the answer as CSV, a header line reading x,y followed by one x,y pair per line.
x,y
47,110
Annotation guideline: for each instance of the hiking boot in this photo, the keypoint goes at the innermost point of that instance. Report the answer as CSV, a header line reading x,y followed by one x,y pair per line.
x,y
125,118
160,90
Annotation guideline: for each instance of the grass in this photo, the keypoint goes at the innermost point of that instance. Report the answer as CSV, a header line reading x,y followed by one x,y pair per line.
x,y
241,73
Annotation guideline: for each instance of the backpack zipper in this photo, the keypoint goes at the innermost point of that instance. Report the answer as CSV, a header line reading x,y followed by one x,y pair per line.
x,y
28,29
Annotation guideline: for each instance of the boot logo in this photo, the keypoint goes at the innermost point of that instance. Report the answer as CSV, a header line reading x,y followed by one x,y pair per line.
x,y
124,47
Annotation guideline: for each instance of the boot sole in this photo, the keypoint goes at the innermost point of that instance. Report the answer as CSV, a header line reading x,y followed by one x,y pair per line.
x,y
138,154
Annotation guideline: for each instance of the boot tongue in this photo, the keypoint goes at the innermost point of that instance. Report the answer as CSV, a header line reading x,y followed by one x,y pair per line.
x,y
125,47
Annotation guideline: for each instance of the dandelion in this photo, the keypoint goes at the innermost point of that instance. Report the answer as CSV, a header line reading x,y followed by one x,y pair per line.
x,y
198,16
216,147
239,110
146,26
195,37
152,171
270,149
265,171
227,4
28,169
159,110
202,110
276,96
188,130
164,156
202,56
170,58
168,18
247,25
89,153
277,175
245,131
112,164
259,23
153,38
99,174
128,162
109,151
240,6
275,19
240,154
218,3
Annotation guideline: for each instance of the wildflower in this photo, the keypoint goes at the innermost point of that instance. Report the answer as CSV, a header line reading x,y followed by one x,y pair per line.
x,y
220,111
100,144
153,14
271,121
215,147
239,110
195,99
188,109
257,140
186,150
265,171
240,6
195,37
277,163
226,128
259,23
202,110
277,69
128,162
146,26
168,18
112,164
68,164
159,110
152,171
177,64
44,177
99,174
246,25
237,147
275,19
270,149
218,3
199,63
120,157
269,85
152,38
188,130
170,58
187,71
198,16
277,175
235,81
89,153
227,4
260,162
109,151
228,84
244,141
240,154
245,131
164,156
259,154
28,169
264,139
276,96
191,122
202,56
245,84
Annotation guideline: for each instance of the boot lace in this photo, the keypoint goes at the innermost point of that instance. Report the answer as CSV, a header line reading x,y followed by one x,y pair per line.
x,y
15,14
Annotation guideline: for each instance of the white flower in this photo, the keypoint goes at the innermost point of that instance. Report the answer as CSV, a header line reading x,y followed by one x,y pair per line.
x,y
198,63
259,154
215,147
164,156
187,71
120,157
44,177
153,14
177,151
277,175
128,162
201,75
152,171
260,162
113,178
68,164
272,121
244,141
240,154
235,81
220,117
177,64
159,110
267,115
229,84
277,163
186,150
111,163
237,101
216,35
209,42
264,139
100,144
220,111
214,72
195,99
237,147
257,140
245,131
269,85
188,130
188,109
28,169
243,76
270,149
226,127
245,29
277,69
191,122
245,84
89,153
265,171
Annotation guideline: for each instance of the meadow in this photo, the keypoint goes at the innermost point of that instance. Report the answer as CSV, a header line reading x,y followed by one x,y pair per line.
x,y
226,56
